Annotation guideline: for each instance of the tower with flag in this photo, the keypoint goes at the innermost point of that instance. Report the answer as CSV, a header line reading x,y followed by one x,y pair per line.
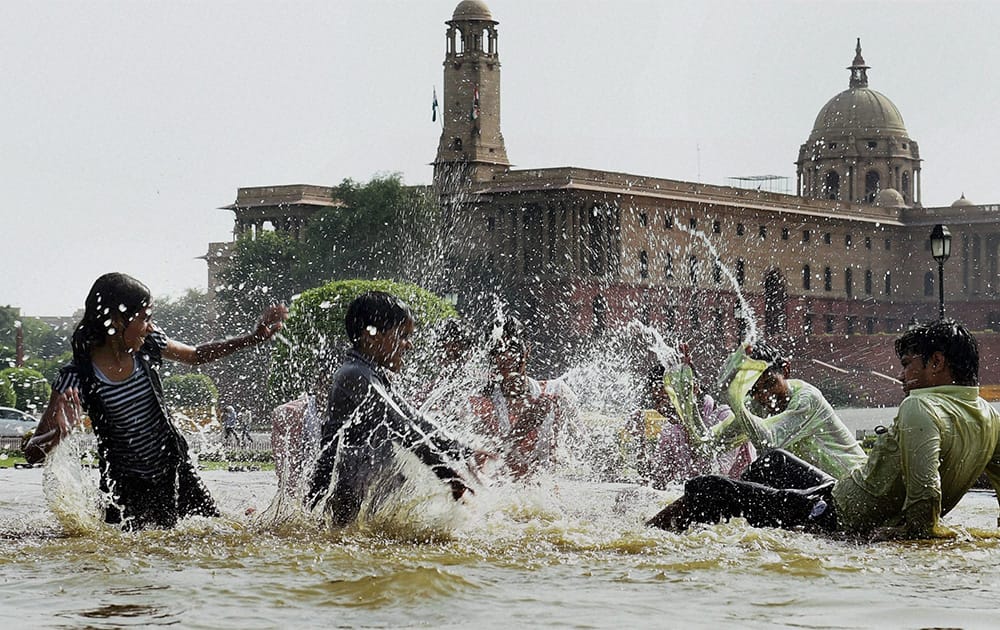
x,y
470,131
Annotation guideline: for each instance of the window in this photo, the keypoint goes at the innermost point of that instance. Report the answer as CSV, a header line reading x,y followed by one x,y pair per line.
x,y
739,229
784,234
868,281
643,264
807,324
849,281
888,244
929,283
870,326
827,238
693,223
643,219
491,224
888,284
806,277
872,144
762,232
868,242
716,227
827,279
829,324
833,145
668,222
716,271
851,323
831,185
872,185
741,271
848,240
805,236
693,269
668,268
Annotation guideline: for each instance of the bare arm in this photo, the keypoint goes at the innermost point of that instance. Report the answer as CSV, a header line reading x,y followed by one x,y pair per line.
x,y
59,418
271,321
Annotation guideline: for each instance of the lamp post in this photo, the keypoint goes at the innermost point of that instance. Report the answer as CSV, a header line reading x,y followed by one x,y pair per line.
x,y
940,250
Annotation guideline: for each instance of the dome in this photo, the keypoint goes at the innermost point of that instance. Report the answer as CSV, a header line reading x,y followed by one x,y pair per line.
x,y
472,10
889,198
961,201
859,111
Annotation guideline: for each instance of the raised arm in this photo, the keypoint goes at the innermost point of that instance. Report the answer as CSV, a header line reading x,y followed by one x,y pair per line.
x,y
271,321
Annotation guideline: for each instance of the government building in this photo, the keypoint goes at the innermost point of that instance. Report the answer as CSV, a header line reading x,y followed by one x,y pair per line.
x,y
831,273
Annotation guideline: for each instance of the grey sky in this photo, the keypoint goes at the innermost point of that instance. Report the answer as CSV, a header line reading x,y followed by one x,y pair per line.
x,y
126,124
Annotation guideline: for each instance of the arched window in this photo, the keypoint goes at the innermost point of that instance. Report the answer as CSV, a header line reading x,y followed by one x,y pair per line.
x,y
831,185
888,283
868,282
849,281
929,283
872,184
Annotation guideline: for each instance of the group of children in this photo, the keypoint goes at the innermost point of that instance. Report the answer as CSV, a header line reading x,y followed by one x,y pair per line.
x,y
811,471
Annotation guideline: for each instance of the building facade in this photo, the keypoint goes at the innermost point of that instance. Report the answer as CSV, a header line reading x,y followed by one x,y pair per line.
x,y
831,273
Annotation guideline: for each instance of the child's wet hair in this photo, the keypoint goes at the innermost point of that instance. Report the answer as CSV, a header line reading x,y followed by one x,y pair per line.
x,y
113,295
507,335
762,351
950,338
374,312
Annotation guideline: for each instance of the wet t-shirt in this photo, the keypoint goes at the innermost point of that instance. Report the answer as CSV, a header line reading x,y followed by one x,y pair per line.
x,y
133,435
942,439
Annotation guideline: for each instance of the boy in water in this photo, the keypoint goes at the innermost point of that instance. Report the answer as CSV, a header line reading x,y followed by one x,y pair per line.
x,y
788,414
367,418
943,438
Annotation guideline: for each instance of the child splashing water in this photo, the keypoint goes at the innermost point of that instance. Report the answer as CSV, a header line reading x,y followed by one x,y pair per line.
x,y
146,470
368,420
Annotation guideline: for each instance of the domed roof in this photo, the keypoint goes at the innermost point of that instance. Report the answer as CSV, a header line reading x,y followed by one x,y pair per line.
x,y
889,198
472,10
858,110
961,201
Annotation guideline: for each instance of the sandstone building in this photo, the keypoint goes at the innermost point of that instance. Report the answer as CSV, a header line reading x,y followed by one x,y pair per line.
x,y
832,272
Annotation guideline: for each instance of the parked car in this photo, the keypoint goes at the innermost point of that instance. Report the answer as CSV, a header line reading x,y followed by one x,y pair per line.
x,y
15,423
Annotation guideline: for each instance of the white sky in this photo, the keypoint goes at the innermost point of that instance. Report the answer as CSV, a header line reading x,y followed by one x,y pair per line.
x,y
125,124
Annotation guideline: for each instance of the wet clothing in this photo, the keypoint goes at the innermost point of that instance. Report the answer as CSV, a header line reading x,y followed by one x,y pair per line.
x,y
808,428
143,457
550,404
366,420
668,451
941,441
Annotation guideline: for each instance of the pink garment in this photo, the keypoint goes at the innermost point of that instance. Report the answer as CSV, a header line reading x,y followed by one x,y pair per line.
x,y
675,459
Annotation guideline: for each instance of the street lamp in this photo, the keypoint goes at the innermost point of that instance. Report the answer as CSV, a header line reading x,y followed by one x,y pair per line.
x,y
940,250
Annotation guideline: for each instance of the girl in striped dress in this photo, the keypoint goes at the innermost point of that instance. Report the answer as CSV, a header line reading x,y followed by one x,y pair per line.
x,y
146,471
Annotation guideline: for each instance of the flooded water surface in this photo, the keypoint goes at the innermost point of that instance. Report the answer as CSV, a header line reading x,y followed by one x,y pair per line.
x,y
557,553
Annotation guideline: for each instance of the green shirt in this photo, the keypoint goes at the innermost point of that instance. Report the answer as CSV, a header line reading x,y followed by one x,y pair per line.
x,y
808,428
941,441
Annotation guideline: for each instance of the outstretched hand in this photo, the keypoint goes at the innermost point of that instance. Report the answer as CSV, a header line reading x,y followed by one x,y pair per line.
x,y
271,321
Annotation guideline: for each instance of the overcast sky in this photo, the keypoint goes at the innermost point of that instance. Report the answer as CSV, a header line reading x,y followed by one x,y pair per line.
x,y
126,124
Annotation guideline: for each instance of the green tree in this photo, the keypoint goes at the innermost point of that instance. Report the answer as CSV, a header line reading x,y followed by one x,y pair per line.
x,y
42,340
315,337
190,390
259,274
8,398
30,388
8,315
187,318
383,230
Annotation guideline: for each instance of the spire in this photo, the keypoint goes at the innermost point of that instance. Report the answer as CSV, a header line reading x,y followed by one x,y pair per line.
x,y
859,71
